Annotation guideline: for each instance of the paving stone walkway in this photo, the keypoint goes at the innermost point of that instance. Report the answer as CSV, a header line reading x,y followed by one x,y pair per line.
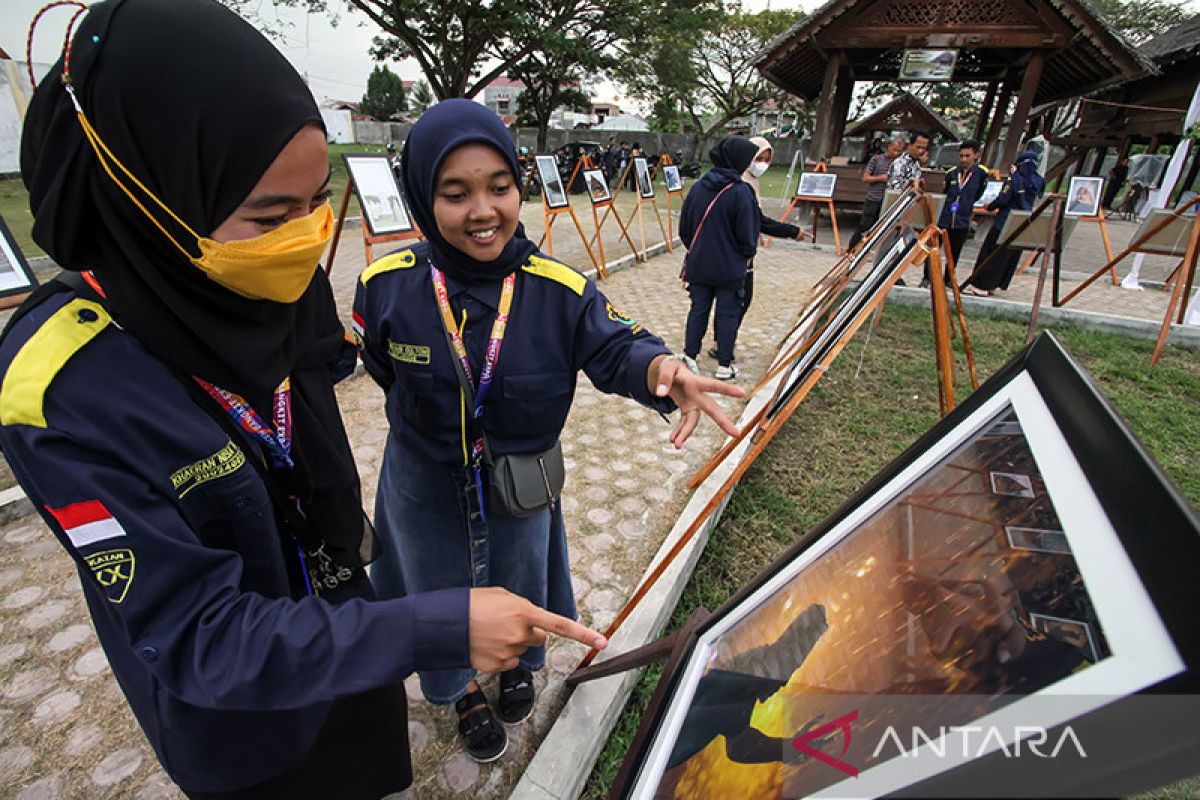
x,y
65,729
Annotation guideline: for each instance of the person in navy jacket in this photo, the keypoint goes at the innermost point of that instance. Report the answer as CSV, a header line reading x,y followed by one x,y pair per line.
x,y
964,186
168,407
719,225
478,304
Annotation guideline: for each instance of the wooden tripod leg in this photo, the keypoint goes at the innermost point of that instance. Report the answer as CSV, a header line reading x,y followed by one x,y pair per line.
x,y
661,227
837,239
628,239
603,269
583,238
1108,251
547,236
1187,272
941,332
337,229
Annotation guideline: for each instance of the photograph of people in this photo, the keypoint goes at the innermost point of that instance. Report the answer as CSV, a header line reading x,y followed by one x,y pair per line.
x,y
674,181
556,196
645,187
1083,199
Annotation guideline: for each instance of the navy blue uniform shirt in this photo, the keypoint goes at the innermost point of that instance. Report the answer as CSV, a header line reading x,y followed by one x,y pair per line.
x,y
228,667
963,188
559,324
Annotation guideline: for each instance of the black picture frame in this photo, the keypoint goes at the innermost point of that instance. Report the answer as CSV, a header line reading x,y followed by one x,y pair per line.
x,y
16,276
1099,468
384,208
553,189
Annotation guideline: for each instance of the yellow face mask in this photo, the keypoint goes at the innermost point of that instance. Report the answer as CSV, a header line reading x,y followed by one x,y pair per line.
x,y
277,266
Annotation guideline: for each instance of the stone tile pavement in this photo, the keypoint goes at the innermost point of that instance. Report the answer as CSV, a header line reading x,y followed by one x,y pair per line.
x,y
65,729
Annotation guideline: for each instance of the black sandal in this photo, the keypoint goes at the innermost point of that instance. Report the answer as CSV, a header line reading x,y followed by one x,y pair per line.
x,y
485,740
516,696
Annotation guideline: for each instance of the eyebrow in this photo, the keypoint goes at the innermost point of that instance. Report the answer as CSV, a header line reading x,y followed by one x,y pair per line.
x,y
500,173
268,200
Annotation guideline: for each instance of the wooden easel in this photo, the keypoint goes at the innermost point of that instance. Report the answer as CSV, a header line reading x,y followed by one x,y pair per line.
x,y
638,210
816,203
610,208
1101,220
765,424
551,214
667,162
1184,275
368,240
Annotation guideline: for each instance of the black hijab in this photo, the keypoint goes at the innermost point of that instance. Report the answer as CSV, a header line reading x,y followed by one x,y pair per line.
x,y
441,130
197,104
733,152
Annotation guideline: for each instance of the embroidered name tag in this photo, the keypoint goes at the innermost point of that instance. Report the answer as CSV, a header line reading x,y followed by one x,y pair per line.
x,y
225,461
408,353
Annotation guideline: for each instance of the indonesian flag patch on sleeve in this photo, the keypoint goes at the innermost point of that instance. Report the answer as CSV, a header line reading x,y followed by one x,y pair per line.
x,y
356,324
87,522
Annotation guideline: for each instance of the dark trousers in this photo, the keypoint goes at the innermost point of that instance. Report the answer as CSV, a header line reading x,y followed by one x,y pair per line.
x,y
997,272
958,238
728,299
870,215
747,295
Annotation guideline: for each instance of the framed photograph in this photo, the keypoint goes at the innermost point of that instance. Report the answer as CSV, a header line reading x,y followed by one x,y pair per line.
x,y
1037,539
1083,198
1172,239
1034,236
905,647
816,184
379,195
645,186
552,182
673,179
15,275
597,186
1011,483
990,193
928,65
916,214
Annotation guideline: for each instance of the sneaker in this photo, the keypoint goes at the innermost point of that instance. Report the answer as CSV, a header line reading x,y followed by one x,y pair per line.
x,y
726,373
515,704
485,740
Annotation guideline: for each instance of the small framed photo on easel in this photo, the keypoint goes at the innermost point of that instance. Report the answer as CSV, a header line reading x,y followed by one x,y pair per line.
x,y
1083,198
816,184
16,277
645,186
379,196
552,185
597,186
673,179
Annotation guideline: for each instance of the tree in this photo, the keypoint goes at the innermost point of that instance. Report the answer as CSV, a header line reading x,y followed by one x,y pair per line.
x,y
1142,20
385,94
665,116
420,98
553,77
705,59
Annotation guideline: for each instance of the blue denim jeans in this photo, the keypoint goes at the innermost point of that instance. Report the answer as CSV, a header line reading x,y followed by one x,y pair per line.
x,y
432,536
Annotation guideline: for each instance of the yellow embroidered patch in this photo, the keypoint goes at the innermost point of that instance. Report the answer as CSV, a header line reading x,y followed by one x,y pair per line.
x,y
225,461
114,572
559,273
617,316
408,353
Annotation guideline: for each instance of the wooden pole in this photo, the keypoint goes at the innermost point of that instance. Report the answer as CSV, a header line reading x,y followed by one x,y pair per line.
x,y
825,111
993,135
1181,291
341,221
1020,115
1052,247
988,100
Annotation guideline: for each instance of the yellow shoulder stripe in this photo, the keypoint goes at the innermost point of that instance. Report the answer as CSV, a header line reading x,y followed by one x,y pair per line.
x,y
560,273
23,394
402,260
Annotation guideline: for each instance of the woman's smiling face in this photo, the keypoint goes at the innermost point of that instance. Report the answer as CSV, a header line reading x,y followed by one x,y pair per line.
x,y
476,202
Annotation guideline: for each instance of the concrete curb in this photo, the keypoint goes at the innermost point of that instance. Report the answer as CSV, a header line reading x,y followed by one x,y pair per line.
x,y
1182,335
13,504
561,765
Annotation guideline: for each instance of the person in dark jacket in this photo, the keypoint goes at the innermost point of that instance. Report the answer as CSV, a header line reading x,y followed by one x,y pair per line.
x,y
218,552
964,185
478,304
719,224
1021,191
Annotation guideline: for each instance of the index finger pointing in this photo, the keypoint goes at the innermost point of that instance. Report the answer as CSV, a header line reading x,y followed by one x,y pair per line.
x,y
569,629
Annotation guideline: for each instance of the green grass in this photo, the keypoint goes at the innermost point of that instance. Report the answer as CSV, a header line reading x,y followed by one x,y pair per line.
x,y
848,429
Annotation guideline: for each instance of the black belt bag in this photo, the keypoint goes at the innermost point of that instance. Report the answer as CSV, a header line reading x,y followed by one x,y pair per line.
x,y
519,484
522,484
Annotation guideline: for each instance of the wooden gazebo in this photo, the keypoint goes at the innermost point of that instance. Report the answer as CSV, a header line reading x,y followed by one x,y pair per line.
x,y
904,113
1148,111
1037,50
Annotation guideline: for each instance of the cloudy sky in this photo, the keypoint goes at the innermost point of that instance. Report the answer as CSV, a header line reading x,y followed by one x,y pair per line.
x,y
334,59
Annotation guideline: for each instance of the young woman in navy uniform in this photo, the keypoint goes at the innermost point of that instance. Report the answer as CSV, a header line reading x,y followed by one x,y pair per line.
x,y
478,304
168,408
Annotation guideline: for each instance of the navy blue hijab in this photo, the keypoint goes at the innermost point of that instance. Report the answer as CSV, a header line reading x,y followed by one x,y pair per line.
x,y
441,130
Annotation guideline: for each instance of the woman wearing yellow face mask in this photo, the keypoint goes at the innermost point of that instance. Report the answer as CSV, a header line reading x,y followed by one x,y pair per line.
x,y
168,407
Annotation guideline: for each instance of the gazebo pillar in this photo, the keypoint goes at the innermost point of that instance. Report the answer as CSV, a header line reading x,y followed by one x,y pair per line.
x,y
841,107
988,100
1020,115
823,131
993,133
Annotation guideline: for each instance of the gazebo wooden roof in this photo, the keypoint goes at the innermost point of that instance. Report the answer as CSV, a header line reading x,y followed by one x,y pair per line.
x,y
905,113
1049,49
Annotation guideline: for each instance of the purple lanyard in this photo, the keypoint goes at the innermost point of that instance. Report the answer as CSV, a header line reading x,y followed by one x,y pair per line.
x,y
277,440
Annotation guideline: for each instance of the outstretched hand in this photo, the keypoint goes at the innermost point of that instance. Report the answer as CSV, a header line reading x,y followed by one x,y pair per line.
x,y
692,393
504,625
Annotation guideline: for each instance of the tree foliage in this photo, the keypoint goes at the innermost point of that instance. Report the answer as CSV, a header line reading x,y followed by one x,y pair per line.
x,y
1142,20
420,98
385,94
